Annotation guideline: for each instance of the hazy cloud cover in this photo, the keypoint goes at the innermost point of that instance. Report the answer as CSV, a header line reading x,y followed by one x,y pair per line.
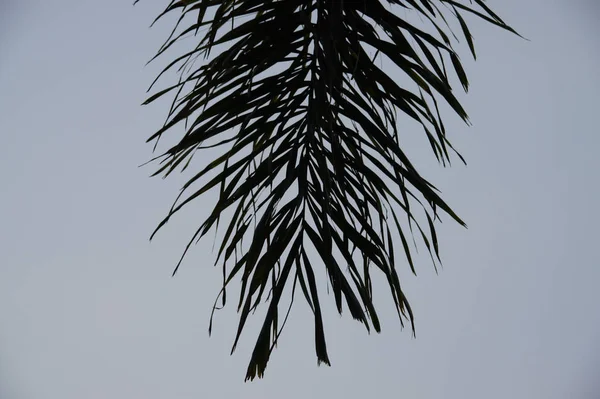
x,y
87,305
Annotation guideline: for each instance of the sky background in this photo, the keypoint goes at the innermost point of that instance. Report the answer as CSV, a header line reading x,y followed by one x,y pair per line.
x,y
87,305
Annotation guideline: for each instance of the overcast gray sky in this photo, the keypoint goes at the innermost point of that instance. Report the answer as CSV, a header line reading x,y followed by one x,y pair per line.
x,y
87,305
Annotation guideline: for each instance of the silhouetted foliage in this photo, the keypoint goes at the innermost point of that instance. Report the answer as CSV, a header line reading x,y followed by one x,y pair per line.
x,y
311,156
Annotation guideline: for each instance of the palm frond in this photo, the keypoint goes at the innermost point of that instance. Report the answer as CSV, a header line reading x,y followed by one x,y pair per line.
x,y
311,156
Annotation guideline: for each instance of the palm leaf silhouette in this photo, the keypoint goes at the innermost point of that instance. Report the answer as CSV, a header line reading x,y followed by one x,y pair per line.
x,y
311,157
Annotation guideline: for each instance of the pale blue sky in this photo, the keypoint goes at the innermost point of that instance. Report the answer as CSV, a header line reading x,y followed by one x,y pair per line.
x,y
87,305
